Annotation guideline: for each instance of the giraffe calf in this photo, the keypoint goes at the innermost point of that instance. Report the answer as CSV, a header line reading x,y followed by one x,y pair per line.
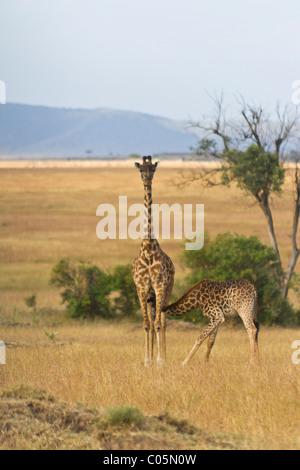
x,y
219,301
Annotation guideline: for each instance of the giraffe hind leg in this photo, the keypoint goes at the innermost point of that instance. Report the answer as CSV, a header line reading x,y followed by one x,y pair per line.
x,y
252,331
164,322
211,342
151,317
252,328
146,325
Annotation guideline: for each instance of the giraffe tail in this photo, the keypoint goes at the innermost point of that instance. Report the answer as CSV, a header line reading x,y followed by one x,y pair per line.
x,y
152,299
257,329
255,315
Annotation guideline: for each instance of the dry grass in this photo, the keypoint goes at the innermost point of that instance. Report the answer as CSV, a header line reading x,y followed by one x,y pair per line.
x,y
47,214
101,365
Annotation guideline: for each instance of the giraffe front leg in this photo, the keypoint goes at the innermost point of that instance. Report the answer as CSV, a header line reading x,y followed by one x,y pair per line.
x,y
158,328
163,337
146,327
151,318
207,332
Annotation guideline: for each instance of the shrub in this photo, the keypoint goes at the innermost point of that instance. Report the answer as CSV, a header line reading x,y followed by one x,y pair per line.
x,y
89,292
233,256
31,301
125,416
126,302
86,288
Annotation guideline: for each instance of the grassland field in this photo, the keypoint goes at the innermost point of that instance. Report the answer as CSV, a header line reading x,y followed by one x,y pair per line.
x,y
49,213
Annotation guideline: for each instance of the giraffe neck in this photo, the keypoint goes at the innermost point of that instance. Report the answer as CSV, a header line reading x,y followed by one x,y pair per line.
x,y
186,303
177,309
148,210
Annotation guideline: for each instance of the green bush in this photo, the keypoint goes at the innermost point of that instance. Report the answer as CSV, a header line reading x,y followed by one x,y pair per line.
x,y
126,302
89,291
31,301
233,256
86,288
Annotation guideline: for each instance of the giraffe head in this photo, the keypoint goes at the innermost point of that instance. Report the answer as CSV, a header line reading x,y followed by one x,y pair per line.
x,y
147,170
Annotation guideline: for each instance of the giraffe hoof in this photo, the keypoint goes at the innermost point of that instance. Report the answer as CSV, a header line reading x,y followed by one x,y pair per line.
x,y
184,363
160,362
148,362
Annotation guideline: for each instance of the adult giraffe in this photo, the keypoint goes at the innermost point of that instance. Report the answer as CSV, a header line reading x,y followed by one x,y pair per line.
x,y
153,274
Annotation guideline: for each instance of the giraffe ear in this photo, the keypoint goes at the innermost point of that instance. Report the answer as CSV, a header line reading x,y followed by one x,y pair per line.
x,y
138,165
156,164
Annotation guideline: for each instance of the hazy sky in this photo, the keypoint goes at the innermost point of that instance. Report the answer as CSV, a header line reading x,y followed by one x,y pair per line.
x,y
154,56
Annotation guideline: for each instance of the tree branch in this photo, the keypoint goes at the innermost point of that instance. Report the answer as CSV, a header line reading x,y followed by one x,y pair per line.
x,y
253,116
287,120
263,200
296,251
219,125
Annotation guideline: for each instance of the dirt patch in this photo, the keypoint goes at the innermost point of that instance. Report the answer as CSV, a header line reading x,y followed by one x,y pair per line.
x,y
34,420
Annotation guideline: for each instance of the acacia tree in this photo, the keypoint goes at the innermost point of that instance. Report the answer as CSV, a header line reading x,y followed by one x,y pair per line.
x,y
251,151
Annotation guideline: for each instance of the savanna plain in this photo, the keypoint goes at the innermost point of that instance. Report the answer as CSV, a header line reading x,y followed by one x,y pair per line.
x,y
79,384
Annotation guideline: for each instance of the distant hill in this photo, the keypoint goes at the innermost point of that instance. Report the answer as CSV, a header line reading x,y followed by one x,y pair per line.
x,y
40,131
